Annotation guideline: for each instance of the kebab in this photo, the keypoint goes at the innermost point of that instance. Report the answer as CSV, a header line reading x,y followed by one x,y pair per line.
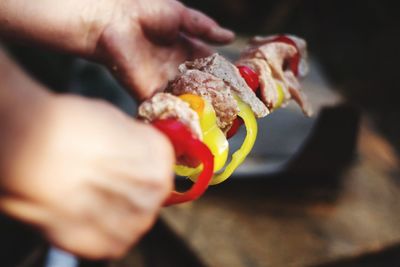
x,y
211,98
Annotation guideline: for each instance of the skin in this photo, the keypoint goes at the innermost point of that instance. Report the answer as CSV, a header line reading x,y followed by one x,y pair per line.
x,y
140,41
79,170
88,177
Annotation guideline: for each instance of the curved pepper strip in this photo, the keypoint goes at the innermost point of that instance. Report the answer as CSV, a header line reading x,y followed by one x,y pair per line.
x,y
240,155
280,96
186,144
213,137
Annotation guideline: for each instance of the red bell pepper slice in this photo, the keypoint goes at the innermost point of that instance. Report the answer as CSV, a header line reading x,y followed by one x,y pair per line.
x,y
185,144
295,60
250,76
234,128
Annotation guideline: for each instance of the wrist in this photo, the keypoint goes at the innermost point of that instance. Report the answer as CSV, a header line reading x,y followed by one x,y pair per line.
x,y
67,26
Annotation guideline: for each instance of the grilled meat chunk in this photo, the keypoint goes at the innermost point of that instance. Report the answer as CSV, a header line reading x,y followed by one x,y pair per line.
x,y
275,55
220,67
211,89
299,42
268,86
167,106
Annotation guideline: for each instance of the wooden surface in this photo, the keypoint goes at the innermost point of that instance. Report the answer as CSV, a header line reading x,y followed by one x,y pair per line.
x,y
296,221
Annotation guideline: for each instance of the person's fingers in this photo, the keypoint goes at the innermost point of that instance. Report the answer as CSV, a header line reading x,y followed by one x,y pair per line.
x,y
184,49
87,241
150,70
118,51
193,48
197,24
118,215
23,210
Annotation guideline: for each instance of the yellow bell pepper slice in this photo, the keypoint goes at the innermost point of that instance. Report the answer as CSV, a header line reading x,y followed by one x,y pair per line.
x,y
280,96
195,102
213,137
182,170
240,155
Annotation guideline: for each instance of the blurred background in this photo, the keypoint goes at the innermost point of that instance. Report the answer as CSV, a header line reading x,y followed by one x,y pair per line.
x,y
315,192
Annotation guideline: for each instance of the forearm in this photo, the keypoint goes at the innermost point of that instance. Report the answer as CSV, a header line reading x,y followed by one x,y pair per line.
x,y
22,100
17,89
68,25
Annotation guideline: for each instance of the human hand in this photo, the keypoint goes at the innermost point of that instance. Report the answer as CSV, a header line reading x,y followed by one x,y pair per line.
x,y
141,41
90,178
